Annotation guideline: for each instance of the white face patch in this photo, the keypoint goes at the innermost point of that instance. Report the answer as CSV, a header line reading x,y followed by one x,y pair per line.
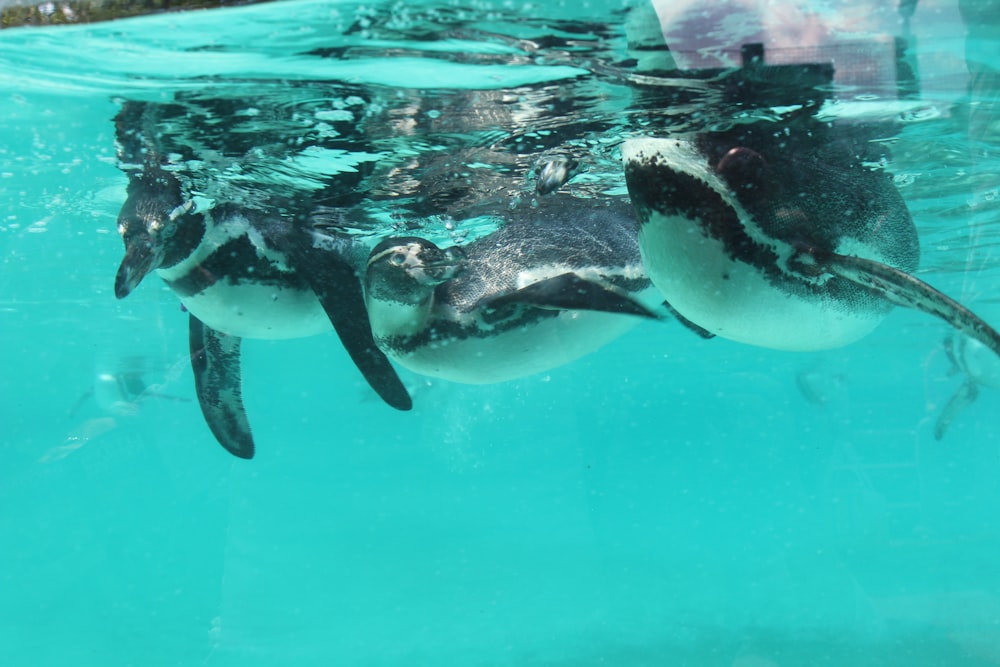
x,y
401,256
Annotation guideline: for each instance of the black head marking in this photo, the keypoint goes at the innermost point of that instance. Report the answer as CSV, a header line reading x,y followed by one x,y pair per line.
x,y
158,226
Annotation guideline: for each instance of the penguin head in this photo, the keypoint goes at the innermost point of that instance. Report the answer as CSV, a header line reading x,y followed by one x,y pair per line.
x,y
157,226
408,269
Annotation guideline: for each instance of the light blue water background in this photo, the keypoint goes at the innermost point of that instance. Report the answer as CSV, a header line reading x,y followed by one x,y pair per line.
x,y
666,501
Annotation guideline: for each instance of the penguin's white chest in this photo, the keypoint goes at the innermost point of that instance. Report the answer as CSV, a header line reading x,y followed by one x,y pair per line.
x,y
270,304
736,300
259,310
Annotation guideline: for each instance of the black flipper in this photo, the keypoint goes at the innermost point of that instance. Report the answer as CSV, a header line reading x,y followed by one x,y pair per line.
x,y
964,397
568,291
338,288
704,333
215,358
903,289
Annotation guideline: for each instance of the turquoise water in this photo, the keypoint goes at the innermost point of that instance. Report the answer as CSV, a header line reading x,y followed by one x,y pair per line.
x,y
666,501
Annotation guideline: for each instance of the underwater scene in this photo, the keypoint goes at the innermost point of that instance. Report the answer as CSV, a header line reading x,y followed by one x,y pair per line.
x,y
490,333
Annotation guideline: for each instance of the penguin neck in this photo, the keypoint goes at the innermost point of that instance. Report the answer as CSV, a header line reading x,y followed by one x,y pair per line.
x,y
188,235
399,318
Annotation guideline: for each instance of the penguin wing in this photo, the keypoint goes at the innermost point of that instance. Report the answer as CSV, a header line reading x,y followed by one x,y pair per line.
x,y
964,397
691,326
337,286
570,291
904,289
215,359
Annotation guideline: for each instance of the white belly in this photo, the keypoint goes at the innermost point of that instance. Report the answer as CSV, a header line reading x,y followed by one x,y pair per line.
x,y
518,352
259,311
688,269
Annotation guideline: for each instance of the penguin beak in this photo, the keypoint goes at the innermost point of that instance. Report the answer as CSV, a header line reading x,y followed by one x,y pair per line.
x,y
141,257
438,266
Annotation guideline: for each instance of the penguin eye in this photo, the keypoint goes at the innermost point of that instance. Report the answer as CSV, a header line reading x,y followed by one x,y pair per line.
x,y
742,167
397,258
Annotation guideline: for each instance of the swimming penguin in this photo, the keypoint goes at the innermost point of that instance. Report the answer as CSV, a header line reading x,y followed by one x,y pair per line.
x,y
979,367
778,239
548,287
243,274
554,173
122,385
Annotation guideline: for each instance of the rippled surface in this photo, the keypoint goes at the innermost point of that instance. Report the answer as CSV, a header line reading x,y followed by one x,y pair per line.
x,y
667,500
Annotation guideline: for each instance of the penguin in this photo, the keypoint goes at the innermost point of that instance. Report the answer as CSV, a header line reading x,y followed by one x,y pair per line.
x,y
243,273
979,367
555,172
121,386
552,284
779,236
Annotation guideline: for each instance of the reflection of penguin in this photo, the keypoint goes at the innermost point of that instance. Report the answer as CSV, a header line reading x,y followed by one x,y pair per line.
x,y
821,387
120,394
980,368
119,389
546,288
967,356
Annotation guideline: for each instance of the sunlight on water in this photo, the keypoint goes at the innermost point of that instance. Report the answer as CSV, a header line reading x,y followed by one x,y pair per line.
x,y
667,500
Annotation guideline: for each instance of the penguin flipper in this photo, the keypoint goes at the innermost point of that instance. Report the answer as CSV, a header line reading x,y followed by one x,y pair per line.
x,y
963,398
570,291
904,289
337,286
215,359
701,331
